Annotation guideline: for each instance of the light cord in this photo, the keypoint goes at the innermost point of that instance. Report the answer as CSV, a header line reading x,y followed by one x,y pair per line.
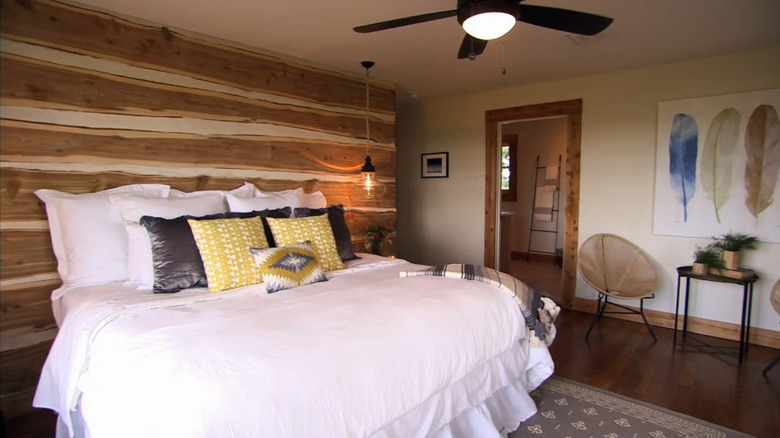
x,y
368,90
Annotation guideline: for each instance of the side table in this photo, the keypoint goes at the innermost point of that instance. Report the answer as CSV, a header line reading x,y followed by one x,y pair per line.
x,y
686,272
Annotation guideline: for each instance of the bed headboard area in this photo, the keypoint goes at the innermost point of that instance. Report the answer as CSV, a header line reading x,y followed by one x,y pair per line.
x,y
92,100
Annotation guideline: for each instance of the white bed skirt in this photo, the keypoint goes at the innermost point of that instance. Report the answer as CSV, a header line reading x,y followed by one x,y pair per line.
x,y
495,417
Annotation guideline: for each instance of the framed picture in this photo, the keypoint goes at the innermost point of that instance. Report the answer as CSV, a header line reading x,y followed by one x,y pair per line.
x,y
712,161
435,165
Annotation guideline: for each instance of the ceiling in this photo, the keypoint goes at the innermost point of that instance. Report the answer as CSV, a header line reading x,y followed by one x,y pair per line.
x,y
421,59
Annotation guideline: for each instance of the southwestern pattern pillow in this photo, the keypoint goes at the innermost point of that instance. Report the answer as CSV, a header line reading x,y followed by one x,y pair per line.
x,y
286,267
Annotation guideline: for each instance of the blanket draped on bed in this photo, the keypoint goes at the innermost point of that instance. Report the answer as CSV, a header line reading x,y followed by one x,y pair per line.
x,y
539,311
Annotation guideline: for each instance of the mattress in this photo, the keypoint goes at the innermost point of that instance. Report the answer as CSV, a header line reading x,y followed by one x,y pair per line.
x,y
364,354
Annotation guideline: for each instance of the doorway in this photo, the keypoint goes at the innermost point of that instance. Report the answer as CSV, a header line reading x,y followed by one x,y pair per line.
x,y
571,110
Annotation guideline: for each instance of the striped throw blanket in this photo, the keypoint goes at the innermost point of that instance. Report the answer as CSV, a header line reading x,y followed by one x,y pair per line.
x,y
539,311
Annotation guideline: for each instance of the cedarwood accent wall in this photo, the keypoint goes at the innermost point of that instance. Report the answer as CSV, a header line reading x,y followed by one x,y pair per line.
x,y
92,101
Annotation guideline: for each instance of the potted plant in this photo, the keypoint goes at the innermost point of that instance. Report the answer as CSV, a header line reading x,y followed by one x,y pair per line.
x,y
731,244
706,257
375,237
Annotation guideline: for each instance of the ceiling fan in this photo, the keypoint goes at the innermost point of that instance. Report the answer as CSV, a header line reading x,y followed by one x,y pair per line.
x,y
485,20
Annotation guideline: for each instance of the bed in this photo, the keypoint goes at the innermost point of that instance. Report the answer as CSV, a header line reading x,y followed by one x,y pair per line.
x,y
367,350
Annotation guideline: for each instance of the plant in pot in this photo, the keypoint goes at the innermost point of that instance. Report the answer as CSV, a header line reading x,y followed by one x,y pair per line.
x,y
376,236
731,244
706,257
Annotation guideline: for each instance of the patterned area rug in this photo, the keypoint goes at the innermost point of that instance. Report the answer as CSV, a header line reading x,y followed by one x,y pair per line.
x,y
571,409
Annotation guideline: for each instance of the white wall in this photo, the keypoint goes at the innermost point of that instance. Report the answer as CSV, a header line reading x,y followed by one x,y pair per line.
x,y
442,220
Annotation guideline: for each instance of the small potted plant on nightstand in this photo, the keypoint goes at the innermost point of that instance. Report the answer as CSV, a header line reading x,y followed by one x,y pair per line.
x,y
706,257
376,236
731,244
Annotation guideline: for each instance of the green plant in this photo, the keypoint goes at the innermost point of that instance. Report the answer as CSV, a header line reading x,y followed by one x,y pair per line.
x,y
375,235
710,255
735,241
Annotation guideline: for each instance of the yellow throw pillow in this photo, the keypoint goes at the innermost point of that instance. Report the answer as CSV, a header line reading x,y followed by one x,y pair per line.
x,y
224,247
315,229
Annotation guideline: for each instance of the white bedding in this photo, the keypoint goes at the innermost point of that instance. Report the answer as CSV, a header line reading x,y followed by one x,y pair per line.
x,y
365,354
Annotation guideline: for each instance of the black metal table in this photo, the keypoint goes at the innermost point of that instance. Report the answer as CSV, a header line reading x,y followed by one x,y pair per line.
x,y
686,272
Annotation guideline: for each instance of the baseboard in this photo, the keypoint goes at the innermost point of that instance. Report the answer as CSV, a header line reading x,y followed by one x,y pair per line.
x,y
707,327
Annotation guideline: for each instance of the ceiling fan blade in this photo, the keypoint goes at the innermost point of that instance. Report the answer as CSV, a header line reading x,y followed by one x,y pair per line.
x,y
398,22
564,19
471,47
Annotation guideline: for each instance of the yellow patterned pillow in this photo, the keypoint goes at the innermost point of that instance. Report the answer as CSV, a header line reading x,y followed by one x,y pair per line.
x,y
315,229
224,247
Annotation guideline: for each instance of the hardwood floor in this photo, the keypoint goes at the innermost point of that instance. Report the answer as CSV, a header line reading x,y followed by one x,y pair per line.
x,y
543,276
620,356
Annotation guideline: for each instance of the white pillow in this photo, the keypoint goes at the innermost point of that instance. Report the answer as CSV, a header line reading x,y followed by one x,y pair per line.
x,y
314,200
272,200
88,234
140,268
247,190
266,201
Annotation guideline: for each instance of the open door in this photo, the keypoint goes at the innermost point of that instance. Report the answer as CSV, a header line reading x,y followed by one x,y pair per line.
x,y
572,110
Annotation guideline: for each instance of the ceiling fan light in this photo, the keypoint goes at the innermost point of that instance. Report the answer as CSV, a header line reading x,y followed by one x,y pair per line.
x,y
489,25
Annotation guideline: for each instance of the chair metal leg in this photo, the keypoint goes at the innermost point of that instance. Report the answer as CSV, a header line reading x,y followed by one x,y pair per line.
x,y
599,311
769,367
642,312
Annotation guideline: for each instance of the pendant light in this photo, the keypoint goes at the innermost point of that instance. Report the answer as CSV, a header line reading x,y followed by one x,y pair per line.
x,y
368,172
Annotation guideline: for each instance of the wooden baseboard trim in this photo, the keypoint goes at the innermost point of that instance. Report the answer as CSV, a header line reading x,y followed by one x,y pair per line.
x,y
702,326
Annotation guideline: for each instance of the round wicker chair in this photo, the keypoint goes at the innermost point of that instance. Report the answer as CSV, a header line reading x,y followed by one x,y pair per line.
x,y
617,269
774,298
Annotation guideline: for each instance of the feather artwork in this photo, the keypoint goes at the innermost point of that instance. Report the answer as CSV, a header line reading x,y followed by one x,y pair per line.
x,y
683,151
762,145
717,157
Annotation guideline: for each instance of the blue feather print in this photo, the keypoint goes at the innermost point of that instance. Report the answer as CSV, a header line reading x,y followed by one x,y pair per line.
x,y
683,151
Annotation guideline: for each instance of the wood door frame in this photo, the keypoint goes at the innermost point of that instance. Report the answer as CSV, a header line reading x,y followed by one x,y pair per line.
x,y
572,110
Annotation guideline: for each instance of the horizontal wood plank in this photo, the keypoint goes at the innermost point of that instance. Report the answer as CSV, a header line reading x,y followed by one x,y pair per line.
x,y
33,142
37,85
359,221
27,308
22,367
19,203
25,253
100,34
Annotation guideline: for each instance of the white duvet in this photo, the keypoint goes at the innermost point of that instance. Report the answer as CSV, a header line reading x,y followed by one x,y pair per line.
x,y
365,354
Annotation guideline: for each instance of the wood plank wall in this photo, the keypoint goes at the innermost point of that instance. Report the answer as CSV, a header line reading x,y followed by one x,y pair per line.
x,y
92,101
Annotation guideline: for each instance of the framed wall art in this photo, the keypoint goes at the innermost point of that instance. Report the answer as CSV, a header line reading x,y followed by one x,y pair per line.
x,y
435,165
717,166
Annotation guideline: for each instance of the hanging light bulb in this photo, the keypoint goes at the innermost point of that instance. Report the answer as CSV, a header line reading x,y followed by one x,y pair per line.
x,y
368,177
368,171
